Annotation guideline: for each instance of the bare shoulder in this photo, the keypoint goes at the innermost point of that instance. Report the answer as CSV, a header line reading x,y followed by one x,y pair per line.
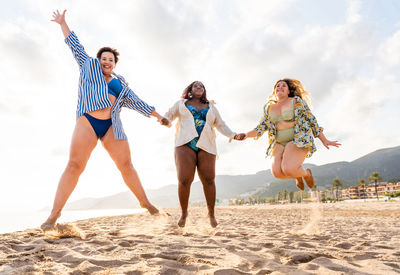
x,y
272,108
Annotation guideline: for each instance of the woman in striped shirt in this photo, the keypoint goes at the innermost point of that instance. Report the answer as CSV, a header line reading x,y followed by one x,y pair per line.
x,y
102,94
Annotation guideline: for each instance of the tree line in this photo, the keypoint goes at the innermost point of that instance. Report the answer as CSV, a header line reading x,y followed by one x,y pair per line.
x,y
300,196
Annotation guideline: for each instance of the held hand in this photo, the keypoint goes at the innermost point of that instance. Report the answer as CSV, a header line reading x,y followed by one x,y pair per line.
x,y
241,136
328,143
164,121
58,17
159,117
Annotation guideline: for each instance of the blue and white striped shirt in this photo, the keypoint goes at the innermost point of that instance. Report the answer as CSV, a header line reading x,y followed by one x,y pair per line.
x,y
93,89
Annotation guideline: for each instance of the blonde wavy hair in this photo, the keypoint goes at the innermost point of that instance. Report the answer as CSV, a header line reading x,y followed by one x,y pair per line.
x,y
295,89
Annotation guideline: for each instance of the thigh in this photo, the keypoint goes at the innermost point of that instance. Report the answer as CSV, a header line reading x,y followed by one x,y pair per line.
x,y
118,149
185,161
293,156
277,155
83,141
206,165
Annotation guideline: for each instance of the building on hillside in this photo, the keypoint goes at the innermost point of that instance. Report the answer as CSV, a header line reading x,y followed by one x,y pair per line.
x,y
369,192
393,187
322,195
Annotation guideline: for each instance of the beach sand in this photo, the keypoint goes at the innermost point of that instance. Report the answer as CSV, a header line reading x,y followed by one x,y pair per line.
x,y
336,238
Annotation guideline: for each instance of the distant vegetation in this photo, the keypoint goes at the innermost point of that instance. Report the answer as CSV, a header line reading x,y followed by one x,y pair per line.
x,y
262,186
285,196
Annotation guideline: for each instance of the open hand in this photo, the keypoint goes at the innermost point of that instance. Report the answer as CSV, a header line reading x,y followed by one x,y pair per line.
x,y
58,17
241,136
328,143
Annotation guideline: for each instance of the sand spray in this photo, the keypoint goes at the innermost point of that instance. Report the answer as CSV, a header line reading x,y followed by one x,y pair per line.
x,y
312,227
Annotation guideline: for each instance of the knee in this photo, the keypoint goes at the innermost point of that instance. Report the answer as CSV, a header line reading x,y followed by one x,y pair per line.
x,y
207,175
126,166
277,173
289,170
185,182
185,177
75,167
208,180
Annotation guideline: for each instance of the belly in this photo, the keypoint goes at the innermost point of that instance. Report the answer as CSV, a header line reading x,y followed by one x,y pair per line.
x,y
104,113
282,125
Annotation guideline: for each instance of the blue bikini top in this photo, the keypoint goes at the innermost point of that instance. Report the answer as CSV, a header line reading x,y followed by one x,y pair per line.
x,y
114,87
198,114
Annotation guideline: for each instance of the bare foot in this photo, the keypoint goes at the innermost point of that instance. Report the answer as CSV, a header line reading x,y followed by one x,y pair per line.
x,y
50,222
182,220
47,226
213,221
151,208
309,179
300,183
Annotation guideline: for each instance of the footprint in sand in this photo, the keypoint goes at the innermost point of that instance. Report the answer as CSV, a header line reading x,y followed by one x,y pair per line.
x,y
127,243
268,245
21,248
229,271
344,245
304,244
59,231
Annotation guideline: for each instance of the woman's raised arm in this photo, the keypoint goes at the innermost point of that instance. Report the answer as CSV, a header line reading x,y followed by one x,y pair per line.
x,y
60,19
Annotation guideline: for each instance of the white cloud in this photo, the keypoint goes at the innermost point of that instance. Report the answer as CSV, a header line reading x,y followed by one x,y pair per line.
x,y
237,48
353,11
389,51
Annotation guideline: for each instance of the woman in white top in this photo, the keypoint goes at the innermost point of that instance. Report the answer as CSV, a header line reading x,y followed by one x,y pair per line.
x,y
195,144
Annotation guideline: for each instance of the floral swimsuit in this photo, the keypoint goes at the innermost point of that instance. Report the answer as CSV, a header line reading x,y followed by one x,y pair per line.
x,y
199,117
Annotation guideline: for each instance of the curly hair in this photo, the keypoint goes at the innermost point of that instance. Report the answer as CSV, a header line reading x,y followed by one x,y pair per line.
x,y
188,89
295,89
108,49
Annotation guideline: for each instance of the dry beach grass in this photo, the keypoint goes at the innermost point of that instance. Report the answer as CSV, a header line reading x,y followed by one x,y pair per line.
x,y
338,238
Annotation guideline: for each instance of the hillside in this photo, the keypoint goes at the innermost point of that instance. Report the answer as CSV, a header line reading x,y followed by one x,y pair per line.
x,y
385,161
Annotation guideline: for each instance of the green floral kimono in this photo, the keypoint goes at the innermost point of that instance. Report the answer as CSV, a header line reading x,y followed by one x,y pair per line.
x,y
305,127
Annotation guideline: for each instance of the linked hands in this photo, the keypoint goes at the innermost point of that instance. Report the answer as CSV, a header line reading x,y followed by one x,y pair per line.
x,y
241,136
164,122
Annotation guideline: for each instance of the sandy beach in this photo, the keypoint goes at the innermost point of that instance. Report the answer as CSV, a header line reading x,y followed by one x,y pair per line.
x,y
336,238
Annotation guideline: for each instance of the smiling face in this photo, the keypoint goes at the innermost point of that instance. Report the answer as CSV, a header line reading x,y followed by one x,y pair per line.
x,y
281,90
107,63
197,89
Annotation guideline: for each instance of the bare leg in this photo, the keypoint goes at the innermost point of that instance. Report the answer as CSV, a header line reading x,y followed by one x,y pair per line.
x,y
292,161
206,172
185,161
277,155
121,155
83,142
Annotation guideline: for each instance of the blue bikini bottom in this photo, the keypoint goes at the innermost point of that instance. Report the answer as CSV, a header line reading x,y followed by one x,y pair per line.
x,y
100,126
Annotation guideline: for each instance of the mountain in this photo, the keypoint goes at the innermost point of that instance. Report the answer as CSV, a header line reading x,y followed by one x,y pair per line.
x,y
385,161
167,196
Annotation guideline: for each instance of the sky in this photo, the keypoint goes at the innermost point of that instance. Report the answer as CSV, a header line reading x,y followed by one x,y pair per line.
x,y
346,54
